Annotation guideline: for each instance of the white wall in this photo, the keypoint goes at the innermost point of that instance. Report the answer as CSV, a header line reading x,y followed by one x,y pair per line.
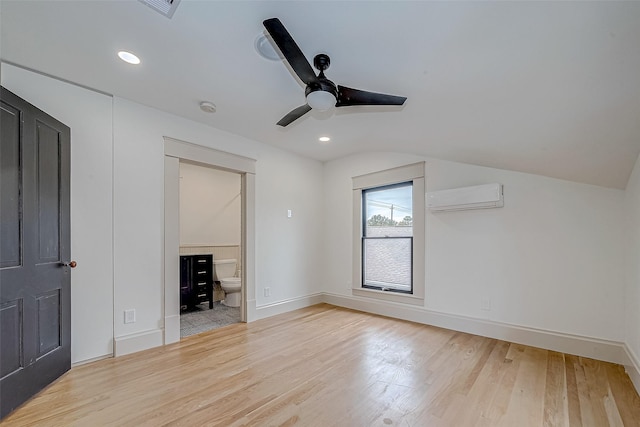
x,y
632,295
551,259
285,182
88,114
138,212
117,223
210,206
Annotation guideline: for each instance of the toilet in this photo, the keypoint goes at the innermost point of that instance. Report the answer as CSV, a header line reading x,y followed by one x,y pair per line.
x,y
224,271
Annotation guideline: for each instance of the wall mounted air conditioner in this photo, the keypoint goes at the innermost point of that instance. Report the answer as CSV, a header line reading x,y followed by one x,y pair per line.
x,y
476,197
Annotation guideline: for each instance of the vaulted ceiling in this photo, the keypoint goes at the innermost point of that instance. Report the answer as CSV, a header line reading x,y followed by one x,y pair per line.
x,y
551,88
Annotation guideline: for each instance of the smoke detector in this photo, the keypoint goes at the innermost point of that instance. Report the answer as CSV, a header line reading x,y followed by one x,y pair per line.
x,y
208,107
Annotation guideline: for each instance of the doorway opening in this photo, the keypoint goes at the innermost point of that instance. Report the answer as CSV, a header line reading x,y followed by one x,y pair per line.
x,y
210,248
177,152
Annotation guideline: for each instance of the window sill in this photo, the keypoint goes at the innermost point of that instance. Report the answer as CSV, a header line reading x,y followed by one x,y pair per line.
x,y
388,296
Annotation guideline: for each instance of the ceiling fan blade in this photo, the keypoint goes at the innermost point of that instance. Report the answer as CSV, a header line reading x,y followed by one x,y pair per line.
x,y
348,96
290,50
294,115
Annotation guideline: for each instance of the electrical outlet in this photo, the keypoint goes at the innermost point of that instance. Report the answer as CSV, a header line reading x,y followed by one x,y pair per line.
x,y
129,316
267,292
485,304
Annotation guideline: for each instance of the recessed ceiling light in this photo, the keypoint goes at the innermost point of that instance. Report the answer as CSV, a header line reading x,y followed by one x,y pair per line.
x,y
324,139
208,107
129,57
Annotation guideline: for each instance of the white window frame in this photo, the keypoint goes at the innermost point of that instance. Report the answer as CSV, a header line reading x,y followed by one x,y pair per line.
x,y
414,173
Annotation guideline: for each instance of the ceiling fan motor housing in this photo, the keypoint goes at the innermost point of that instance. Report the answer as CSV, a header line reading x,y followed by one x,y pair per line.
x,y
321,61
322,84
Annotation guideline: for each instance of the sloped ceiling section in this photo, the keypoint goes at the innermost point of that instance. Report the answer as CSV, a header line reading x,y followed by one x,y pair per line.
x,y
550,88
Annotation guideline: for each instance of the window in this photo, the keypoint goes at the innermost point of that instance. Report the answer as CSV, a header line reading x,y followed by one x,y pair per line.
x,y
387,241
388,246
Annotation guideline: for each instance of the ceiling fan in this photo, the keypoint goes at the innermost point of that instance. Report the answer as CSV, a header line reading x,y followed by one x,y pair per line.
x,y
321,93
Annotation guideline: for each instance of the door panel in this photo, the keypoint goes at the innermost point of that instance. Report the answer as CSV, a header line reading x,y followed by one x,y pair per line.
x,y
48,146
35,300
49,315
11,321
11,205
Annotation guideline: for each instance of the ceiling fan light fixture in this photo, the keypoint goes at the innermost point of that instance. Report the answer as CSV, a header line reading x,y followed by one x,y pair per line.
x,y
321,100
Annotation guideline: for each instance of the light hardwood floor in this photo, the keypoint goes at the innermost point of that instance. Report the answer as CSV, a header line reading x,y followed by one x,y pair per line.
x,y
328,366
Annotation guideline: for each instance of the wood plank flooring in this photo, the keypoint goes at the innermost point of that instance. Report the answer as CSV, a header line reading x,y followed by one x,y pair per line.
x,y
328,366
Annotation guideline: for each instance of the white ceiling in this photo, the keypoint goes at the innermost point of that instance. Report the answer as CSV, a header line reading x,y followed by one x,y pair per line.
x,y
551,88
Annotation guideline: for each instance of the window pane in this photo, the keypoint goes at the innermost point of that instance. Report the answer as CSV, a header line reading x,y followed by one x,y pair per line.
x,y
388,211
387,263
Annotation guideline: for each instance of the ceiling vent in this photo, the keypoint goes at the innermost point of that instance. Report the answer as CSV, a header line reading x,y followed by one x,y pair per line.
x,y
165,7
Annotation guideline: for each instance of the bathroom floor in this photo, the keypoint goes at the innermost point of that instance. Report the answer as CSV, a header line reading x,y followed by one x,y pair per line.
x,y
202,319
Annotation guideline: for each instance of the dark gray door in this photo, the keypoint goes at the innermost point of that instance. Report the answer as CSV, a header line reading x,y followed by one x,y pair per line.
x,y
35,300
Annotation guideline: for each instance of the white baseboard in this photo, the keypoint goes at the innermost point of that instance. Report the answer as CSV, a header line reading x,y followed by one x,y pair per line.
x,y
93,359
132,343
633,367
171,329
260,312
609,351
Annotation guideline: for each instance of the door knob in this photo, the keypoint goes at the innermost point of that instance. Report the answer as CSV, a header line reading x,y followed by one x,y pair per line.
x,y
71,264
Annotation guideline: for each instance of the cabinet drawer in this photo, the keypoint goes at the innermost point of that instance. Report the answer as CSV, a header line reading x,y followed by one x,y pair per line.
x,y
201,273
202,260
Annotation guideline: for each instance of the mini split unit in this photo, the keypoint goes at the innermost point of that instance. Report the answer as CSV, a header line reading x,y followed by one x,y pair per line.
x,y
458,199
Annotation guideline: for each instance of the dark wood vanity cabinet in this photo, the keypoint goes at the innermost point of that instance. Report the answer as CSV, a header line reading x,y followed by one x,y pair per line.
x,y
196,280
